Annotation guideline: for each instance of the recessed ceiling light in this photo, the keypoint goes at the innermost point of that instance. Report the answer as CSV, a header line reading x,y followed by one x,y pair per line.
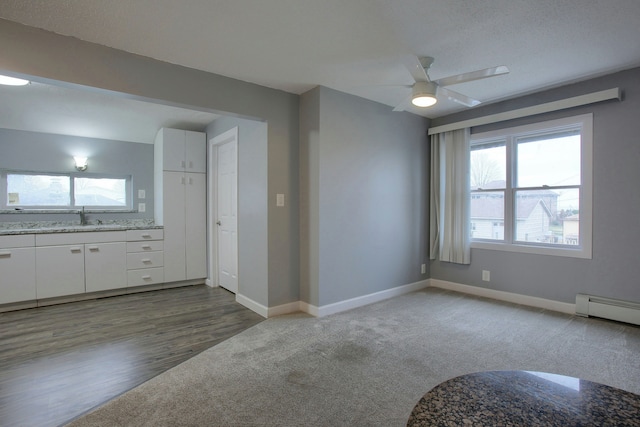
x,y
12,81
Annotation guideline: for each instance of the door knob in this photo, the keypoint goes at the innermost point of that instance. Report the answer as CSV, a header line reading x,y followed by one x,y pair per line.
x,y
219,223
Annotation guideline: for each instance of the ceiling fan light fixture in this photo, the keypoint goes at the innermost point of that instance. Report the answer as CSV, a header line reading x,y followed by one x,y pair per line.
x,y
424,94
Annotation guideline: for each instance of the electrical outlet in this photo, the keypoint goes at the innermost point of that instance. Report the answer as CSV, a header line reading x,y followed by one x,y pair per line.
x,y
279,199
142,194
142,207
423,269
486,276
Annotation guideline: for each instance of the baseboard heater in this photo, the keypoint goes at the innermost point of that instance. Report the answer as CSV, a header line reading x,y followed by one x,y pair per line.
x,y
608,308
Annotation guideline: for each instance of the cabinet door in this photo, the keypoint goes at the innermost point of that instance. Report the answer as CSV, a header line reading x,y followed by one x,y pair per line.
x,y
196,229
174,226
17,275
173,150
105,266
195,152
59,271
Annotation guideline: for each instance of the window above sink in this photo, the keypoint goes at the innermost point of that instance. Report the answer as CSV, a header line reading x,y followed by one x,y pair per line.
x,y
26,191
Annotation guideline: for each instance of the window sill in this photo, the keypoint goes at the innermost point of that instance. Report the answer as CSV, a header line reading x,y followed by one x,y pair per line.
x,y
578,252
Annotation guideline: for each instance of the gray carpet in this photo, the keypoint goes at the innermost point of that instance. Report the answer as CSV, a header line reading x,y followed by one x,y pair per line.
x,y
369,366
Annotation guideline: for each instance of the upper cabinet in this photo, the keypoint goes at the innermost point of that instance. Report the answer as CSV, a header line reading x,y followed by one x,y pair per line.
x,y
180,151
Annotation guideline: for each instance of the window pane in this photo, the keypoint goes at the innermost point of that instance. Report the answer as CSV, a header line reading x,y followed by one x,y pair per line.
x,y
487,215
38,190
549,217
100,192
488,169
549,160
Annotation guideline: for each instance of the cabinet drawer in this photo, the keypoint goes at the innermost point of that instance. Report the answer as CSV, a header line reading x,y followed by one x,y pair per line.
x,y
145,276
17,241
151,245
144,260
137,235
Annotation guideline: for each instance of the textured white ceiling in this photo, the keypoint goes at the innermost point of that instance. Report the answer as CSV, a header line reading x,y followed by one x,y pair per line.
x,y
358,46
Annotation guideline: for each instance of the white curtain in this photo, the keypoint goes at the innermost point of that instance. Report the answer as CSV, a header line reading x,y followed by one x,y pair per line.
x,y
449,197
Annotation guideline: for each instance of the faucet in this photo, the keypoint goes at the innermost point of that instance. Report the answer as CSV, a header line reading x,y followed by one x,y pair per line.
x,y
83,217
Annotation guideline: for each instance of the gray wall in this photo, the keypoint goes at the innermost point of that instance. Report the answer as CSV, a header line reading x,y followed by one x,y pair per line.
x,y
614,270
45,56
365,175
253,245
43,152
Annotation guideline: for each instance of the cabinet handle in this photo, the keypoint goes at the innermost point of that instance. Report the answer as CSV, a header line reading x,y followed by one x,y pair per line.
x,y
182,180
5,254
146,236
190,181
146,261
146,246
183,164
93,248
190,164
146,277
76,250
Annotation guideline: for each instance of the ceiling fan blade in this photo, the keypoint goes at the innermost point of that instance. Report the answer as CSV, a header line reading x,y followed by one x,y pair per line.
x,y
403,105
473,75
416,67
458,97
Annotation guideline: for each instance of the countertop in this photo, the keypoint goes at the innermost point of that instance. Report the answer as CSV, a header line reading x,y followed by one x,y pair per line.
x,y
523,398
16,228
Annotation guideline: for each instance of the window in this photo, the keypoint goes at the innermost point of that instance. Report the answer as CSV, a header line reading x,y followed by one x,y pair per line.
x,y
58,191
531,188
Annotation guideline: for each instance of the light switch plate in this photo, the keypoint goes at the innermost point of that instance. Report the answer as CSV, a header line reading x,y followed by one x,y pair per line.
x,y
142,194
279,199
142,207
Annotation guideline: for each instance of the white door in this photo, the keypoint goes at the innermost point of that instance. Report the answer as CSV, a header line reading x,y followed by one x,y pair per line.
x,y
225,218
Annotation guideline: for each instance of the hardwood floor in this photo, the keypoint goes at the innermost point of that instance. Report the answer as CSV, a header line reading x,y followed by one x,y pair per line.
x,y
58,362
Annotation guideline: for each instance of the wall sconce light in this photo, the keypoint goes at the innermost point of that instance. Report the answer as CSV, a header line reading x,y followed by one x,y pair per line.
x,y
81,163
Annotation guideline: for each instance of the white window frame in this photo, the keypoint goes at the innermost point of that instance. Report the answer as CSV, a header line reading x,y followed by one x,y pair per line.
x,y
584,248
4,203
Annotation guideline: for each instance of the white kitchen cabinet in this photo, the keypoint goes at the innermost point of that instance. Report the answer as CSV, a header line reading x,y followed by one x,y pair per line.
x,y
180,150
75,263
195,226
184,221
180,201
59,270
17,268
105,266
145,257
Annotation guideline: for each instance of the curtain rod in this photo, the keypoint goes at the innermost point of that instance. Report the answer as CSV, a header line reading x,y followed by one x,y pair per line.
x,y
576,101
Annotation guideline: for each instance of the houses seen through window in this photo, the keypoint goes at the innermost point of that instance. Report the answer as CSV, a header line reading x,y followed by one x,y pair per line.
x,y
531,188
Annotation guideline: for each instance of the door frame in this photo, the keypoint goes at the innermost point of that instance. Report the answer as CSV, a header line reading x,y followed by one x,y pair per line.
x,y
212,202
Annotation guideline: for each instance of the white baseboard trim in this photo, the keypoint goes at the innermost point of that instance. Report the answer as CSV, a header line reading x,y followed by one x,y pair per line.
x,y
309,309
288,308
356,302
252,305
546,304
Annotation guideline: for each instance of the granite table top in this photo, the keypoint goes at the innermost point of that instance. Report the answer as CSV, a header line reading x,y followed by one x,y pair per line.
x,y
523,398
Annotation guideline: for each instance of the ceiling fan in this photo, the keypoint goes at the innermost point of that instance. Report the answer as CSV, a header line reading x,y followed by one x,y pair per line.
x,y
424,91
